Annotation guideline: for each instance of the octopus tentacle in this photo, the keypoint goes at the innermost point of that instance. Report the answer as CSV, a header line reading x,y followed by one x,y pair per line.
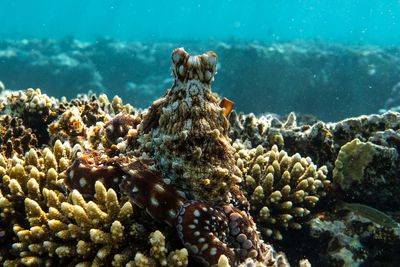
x,y
91,167
148,190
120,125
209,232
203,231
243,235
238,199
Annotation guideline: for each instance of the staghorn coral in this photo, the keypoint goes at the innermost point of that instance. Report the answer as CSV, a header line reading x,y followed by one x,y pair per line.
x,y
322,142
43,225
69,126
84,120
281,189
315,140
15,138
35,109
79,121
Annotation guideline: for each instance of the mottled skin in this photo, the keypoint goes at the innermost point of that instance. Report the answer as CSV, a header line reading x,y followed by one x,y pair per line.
x,y
187,134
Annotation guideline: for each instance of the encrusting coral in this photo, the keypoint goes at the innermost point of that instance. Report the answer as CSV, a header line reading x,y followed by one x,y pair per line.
x,y
350,164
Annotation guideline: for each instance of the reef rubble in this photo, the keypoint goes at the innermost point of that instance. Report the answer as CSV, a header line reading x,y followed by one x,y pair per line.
x,y
94,182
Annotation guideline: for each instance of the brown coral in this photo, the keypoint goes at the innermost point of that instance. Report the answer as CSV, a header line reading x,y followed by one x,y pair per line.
x,y
15,138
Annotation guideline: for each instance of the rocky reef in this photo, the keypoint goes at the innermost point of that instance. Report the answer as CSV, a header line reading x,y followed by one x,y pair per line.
x,y
94,182
284,76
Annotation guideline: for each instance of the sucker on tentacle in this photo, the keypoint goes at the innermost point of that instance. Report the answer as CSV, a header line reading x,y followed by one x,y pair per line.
x,y
203,230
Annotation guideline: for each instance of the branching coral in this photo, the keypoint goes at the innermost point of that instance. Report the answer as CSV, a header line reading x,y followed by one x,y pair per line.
x,y
43,225
15,138
176,163
281,189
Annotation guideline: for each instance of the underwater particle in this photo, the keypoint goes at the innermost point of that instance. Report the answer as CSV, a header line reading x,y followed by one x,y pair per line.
x,y
351,162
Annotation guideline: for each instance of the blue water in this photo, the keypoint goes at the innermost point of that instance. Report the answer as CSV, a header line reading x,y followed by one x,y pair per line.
x,y
347,21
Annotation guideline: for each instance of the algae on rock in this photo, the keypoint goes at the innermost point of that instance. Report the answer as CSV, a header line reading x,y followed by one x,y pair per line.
x,y
351,162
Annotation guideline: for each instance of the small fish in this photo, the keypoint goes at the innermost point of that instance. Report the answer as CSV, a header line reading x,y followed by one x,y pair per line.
x,y
370,213
227,105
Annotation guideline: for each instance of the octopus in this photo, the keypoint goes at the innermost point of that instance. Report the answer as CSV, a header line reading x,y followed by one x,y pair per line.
x,y
182,171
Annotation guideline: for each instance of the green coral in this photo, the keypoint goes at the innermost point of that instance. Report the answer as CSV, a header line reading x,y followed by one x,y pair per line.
x,y
281,189
351,162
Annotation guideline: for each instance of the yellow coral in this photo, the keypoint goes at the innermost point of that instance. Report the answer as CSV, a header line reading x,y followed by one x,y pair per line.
x,y
281,189
44,225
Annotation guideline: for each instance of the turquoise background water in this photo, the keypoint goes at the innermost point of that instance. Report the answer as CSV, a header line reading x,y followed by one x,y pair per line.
x,y
348,21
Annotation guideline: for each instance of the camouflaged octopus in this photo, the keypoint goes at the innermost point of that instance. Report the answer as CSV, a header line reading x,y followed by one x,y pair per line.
x,y
188,179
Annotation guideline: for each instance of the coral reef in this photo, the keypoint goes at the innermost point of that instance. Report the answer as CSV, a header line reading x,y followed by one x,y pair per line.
x,y
186,133
369,178
15,138
86,224
93,182
43,225
351,240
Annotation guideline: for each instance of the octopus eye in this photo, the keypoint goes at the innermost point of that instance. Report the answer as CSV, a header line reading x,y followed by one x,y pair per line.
x,y
212,58
179,55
